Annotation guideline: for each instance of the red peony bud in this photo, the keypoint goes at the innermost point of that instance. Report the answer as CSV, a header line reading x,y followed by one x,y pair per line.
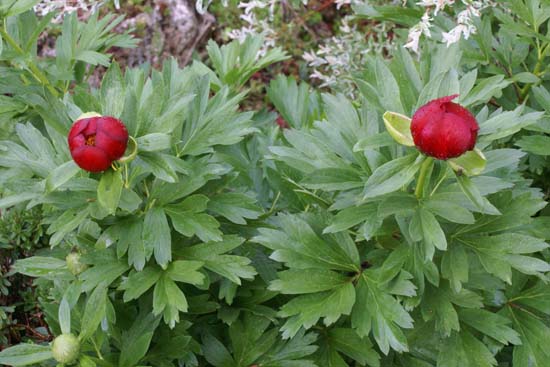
x,y
443,129
282,123
96,142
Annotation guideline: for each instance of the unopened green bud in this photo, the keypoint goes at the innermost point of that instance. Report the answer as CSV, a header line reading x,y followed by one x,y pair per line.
x,y
66,348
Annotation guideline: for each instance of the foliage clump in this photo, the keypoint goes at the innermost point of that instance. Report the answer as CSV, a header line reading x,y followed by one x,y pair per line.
x,y
313,235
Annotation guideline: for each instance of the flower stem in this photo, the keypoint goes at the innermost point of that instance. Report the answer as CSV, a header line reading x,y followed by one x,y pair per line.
x,y
424,169
34,70
541,56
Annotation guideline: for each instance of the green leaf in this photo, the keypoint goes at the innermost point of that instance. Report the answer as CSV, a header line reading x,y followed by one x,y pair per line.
x,y
12,200
332,179
154,142
387,87
140,282
298,246
375,141
104,272
93,57
290,100
536,144
66,223
352,216
215,352
503,124
212,254
11,8
109,190
213,121
393,175
436,304
94,312
129,200
159,165
537,297
235,206
188,219
136,341
305,311
169,300
448,210
25,354
186,271
525,77
500,253
494,325
307,281
131,237
442,83
113,92
251,340
237,61
64,316
532,352
379,312
156,235
472,192
464,350
39,266
399,128
61,174
485,90
454,266
347,341
432,232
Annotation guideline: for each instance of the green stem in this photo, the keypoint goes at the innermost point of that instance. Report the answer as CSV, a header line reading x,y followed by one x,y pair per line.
x,y
97,351
541,55
424,169
34,70
439,183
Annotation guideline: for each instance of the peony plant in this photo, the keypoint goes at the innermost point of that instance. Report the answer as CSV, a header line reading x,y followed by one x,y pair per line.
x,y
393,229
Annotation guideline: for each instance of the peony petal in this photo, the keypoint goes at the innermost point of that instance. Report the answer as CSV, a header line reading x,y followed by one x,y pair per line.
x,y
113,127
91,159
91,128
113,148
77,141
77,128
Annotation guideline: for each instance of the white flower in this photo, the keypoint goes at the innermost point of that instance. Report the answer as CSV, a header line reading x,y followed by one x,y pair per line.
x,y
439,4
251,5
413,39
423,27
340,3
66,6
464,21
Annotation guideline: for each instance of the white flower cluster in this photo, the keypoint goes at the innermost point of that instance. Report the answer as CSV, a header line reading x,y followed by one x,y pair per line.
x,y
339,56
254,25
464,21
67,6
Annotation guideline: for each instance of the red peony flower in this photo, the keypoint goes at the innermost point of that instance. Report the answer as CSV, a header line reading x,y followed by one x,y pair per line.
x,y
443,129
95,142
